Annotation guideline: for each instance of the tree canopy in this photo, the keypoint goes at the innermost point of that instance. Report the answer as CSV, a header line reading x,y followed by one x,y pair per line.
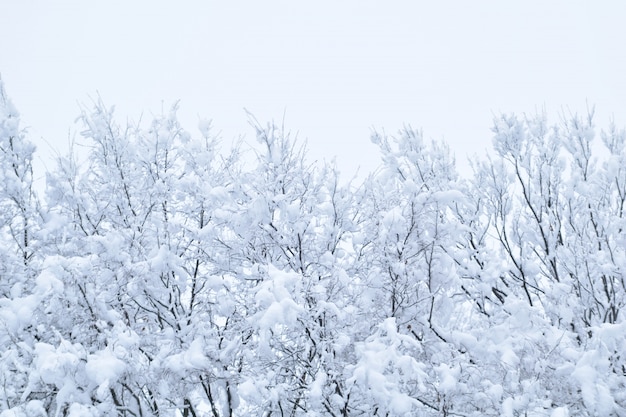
x,y
163,274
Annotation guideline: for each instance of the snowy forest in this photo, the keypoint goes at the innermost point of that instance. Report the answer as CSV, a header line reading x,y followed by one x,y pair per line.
x,y
160,273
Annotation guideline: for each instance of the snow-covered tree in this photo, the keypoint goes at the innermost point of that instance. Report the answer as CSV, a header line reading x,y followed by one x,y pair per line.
x,y
163,275
298,221
22,289
146,263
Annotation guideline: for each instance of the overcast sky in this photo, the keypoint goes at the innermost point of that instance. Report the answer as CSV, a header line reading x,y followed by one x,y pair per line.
x,y
336,69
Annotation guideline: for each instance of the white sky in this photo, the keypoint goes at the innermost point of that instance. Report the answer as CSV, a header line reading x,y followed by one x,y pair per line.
x,y
336,68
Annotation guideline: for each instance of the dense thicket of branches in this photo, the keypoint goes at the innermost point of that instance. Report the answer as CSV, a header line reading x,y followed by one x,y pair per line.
x,y
165,275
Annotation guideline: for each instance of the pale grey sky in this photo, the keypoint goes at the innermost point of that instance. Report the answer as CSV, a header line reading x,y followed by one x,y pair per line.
x,y
335,68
